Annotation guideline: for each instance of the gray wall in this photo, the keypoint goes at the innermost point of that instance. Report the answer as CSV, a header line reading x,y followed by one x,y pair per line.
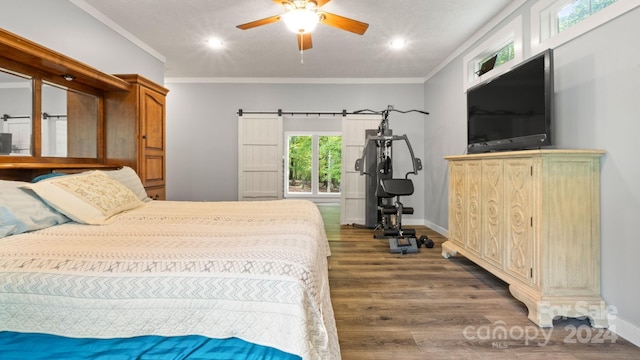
x,y
596,99
202,127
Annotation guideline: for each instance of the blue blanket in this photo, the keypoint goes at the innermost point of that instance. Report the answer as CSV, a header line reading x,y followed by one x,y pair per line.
x,y
20,346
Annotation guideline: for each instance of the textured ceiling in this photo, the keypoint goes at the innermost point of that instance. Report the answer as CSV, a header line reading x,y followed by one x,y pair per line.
x,y
179,29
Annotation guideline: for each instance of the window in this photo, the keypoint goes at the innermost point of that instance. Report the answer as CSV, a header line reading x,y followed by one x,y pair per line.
x,y
329,164
503,55
554,22
314,164
494,55
578,10
300,160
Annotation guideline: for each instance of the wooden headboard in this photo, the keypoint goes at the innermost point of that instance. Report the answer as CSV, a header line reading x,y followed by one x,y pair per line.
x,y
25,56
128,128
28,171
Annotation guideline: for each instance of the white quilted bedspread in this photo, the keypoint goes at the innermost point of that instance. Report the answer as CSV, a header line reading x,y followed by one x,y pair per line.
x,y
252,270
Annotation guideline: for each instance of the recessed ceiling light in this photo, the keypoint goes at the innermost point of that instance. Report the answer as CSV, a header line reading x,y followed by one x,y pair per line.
x,y
398,43
215,43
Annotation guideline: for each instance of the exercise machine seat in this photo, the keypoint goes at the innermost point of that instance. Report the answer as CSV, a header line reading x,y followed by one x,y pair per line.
x,y
397,187
393,188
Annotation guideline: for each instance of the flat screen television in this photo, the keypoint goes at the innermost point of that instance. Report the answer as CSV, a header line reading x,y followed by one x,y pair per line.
x,y
512,111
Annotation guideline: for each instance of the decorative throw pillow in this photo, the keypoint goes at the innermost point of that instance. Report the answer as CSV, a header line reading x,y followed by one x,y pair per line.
x,y
128,177
89,198
21,210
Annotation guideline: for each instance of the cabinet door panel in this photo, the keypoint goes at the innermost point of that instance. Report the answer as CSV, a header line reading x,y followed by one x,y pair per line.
x,y
153,119
473,209
571,195
154,169
518,200
152,114
493,212
457,202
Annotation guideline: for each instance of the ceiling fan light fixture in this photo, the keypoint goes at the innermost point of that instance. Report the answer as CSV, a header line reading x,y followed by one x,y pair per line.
x,y
301,21
398,44
215,43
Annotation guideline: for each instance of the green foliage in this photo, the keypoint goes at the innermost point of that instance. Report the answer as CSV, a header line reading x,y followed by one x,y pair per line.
x,y
329,161
579,10
330,164
300,158
503,55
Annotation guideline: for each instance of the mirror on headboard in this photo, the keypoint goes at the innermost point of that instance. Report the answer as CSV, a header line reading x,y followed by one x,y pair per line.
x,y
16,106
69,122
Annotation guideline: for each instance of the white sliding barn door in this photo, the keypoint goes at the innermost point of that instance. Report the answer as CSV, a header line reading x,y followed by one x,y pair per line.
x,y
260,152
353,184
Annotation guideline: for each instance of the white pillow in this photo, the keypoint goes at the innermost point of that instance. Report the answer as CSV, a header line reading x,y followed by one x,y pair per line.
x,y
89,198
128,177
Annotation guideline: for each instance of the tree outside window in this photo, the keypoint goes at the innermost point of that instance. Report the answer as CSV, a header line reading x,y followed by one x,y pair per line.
x,y
579,10
330,164
317,154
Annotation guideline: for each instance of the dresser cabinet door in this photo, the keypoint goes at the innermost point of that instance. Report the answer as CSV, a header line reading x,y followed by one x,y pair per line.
x,y
518,223
493,234
473,210
457,203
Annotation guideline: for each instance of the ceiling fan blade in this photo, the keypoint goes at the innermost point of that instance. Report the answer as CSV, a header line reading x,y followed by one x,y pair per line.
x,y
343,23
304,41
260,22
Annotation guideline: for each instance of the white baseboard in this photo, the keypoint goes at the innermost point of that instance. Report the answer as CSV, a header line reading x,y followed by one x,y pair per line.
x,y
439,229
626,330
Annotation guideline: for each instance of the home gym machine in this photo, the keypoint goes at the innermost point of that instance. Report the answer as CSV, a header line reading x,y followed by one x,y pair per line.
x,y
383,208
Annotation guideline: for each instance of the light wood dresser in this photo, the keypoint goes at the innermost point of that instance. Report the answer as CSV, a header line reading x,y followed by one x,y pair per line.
x,y
532,218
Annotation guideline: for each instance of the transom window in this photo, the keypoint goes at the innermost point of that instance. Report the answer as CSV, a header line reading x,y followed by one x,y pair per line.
x,y
500,51
554,22
503,55
578,10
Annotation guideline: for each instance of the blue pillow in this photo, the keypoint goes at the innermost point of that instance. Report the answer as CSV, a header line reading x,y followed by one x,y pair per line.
x,y
46,176
22,210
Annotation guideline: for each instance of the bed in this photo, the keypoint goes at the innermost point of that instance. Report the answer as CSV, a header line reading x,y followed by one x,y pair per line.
x,y
82,269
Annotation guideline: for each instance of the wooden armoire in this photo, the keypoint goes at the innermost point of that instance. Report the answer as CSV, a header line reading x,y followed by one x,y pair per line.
x,y
135,131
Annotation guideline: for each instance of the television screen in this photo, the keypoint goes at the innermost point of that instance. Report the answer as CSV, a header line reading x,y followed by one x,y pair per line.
x,y
513,110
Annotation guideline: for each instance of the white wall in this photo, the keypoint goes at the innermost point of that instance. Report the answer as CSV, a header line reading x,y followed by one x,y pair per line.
x,y
596,99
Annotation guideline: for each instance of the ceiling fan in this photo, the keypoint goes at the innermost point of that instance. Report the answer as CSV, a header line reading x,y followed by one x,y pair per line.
x,y
301,16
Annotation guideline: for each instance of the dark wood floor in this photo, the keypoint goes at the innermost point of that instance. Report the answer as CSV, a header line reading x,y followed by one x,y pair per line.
x,y
422,306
